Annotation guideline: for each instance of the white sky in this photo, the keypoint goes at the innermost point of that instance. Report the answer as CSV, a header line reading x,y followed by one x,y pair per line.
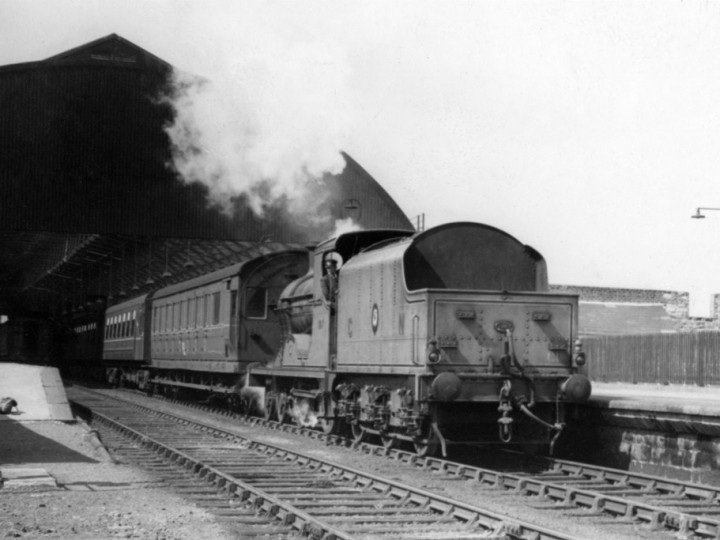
x,y
589,130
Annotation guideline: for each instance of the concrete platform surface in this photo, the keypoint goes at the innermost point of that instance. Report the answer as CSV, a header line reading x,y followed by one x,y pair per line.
x,y
693,400
23,477
38,390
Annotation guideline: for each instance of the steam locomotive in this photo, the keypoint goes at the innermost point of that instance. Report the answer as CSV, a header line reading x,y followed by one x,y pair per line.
x,y
424,338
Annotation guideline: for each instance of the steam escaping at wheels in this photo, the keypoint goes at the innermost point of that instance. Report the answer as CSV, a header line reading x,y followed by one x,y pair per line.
x,y
304,414
253,399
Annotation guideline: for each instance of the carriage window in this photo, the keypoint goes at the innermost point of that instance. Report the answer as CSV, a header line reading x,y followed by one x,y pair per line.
x,y
192,313
201,311
256,303
183,314
216,308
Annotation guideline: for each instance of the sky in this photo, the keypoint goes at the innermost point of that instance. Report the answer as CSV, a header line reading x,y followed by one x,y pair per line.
x,y
588,130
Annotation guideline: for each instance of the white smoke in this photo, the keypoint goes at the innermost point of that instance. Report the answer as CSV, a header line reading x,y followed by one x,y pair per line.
x,y
303,414
344,226
267,125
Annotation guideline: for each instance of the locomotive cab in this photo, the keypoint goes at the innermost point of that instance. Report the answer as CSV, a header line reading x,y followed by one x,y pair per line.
x,y
328,311
310,313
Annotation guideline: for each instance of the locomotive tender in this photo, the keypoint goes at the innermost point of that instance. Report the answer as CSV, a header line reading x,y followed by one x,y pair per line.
x,y
444,335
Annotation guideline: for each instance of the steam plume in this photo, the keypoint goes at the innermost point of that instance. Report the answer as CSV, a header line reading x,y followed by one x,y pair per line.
x,y
268,126
345,226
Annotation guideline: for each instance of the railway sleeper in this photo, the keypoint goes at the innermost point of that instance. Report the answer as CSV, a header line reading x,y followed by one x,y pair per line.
x,y
372,510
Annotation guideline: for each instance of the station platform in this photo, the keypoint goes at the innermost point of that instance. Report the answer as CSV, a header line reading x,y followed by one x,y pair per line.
x,y
666,430
674,399
38,390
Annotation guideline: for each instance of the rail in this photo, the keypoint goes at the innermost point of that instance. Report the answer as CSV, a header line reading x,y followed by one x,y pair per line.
x,y
408,505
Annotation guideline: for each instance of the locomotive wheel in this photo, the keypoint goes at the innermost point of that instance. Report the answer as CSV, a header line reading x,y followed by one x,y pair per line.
x,y
428,445
327,425
269,405
235,404
281,407
359,433
328,422
388,441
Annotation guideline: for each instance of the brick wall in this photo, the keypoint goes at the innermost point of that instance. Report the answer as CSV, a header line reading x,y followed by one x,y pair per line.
x,y
676,304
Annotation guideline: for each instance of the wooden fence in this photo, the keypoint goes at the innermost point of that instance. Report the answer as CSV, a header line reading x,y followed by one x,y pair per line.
x,y
682,358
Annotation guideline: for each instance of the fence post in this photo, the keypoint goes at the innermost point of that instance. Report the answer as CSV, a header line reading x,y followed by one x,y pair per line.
x,y
700,359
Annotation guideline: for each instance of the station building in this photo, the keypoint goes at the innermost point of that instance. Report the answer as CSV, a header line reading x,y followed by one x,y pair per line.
x,y
89,208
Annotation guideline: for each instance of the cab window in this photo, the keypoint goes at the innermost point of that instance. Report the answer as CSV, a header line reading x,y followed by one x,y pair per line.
x,y
256,303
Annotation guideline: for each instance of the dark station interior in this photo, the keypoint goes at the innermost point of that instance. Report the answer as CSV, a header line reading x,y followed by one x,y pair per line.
x,y
90,211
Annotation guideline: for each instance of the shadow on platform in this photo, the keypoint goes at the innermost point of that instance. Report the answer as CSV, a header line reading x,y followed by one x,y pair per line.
x,y
20,445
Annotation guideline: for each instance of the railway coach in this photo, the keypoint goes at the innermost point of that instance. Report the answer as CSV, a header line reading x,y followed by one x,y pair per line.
x,y
200,335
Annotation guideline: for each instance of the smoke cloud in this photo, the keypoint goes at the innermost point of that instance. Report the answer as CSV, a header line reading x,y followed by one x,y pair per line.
x,y
267,126
345,226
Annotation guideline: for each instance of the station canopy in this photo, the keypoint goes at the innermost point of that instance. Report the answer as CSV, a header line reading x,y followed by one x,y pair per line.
x,y
90,212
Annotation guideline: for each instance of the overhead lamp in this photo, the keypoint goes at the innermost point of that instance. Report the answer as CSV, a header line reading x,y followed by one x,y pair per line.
x,y
698,212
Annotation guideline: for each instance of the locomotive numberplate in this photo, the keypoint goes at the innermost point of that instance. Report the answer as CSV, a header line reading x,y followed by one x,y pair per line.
x,y
465,314
541,316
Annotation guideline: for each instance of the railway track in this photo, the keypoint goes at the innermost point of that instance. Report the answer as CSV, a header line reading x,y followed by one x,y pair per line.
x,y
241,517
287,493
682,508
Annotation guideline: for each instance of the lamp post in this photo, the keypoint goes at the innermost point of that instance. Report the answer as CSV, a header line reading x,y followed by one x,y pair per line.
x,y
698,214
